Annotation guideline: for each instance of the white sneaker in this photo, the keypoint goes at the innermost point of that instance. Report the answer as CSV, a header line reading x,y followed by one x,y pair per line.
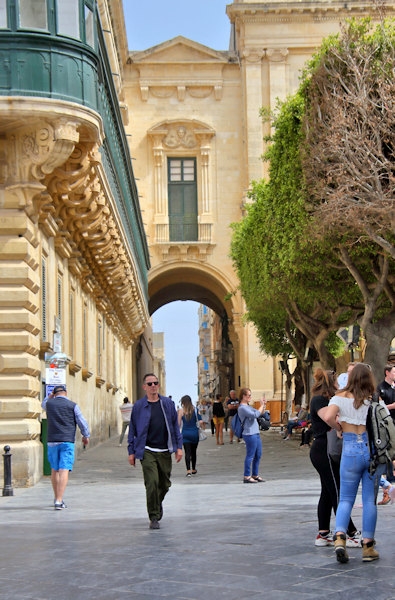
x,y
354,541
324,540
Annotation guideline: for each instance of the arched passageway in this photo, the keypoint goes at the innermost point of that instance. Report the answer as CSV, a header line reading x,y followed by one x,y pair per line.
x,y
205,286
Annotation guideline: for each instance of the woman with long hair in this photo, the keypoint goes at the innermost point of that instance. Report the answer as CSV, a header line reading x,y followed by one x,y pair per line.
x,y
188,421
248,416
347,412
324,387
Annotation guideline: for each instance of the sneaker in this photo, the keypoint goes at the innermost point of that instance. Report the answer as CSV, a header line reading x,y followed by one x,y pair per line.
x,y
59,505
354,541
324,540
154,524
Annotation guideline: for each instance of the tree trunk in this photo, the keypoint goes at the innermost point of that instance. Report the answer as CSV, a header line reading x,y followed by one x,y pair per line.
x,y
379,336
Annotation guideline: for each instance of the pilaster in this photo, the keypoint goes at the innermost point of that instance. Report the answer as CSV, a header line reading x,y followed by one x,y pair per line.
x,y
252,67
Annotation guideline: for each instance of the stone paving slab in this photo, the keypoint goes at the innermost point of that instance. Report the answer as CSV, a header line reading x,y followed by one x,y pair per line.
x,y
218,539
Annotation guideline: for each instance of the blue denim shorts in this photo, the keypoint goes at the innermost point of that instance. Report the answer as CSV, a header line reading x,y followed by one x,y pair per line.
x,y
61,456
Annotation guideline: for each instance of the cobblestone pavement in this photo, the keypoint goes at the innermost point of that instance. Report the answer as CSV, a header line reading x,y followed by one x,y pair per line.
x,y
218,539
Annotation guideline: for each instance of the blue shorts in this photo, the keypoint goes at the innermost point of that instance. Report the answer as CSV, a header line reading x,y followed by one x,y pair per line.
x,y
61,456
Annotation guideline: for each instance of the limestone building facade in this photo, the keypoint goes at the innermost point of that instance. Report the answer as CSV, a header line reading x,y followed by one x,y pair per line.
x,y
73,252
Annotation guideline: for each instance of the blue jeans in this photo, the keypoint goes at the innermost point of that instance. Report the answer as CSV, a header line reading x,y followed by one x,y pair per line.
x,y
253,454
354,466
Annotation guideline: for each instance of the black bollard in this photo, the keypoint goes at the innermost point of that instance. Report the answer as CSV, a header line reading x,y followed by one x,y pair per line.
x,y
7,489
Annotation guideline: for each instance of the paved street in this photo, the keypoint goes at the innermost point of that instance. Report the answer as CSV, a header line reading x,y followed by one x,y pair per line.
x,y
218,539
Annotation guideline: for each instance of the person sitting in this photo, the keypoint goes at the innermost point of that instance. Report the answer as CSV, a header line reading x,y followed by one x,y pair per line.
x,y
299,420
307,436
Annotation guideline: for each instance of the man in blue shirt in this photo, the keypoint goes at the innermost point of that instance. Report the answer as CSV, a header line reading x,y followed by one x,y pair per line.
x,y
63,416
154,435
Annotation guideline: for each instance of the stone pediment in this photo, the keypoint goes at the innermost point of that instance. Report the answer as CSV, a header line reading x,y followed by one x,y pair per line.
x,y
178,50
179,67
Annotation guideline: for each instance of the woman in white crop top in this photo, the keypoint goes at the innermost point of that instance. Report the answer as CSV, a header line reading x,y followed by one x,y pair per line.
x,y
347,413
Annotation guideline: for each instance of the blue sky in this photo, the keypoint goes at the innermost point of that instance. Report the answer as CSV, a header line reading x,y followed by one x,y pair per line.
x,y
148,23
179,322
151,22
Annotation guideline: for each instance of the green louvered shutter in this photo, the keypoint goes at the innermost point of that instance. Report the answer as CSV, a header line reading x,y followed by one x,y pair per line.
x,y
182,194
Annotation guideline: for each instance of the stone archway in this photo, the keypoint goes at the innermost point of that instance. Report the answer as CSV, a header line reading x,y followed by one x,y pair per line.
x,y
205,285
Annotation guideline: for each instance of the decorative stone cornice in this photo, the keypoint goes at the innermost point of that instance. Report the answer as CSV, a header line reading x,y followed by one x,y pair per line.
x,y
166,88
277,54
184,251
59,184
253,55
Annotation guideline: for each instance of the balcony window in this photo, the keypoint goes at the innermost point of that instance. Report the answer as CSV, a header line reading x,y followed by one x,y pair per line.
x,y
33,14
68,18
89,27
3,14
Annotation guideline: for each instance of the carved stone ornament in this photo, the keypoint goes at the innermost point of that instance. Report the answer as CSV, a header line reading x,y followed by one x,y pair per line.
x,y
253,55
45,148
277,54
180,137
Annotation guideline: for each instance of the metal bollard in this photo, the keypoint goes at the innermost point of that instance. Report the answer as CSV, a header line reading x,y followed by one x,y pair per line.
x,y
7,489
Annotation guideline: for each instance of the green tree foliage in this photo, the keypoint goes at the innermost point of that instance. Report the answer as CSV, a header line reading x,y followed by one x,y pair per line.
x,y
287,275
348,165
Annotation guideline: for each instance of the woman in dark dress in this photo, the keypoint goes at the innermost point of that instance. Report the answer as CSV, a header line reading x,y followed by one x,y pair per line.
x,y
188,421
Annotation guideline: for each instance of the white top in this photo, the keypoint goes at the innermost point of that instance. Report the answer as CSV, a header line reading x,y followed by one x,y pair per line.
x,y
126,411
348,413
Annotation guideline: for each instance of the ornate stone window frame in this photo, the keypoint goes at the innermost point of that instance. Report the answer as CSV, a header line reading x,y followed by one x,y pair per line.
x,y
184,138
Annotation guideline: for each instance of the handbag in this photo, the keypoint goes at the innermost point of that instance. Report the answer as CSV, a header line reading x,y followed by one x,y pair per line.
x,y
202,435
335,445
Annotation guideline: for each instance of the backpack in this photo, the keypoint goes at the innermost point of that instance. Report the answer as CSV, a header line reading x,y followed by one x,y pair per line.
x,y
381,434
237,426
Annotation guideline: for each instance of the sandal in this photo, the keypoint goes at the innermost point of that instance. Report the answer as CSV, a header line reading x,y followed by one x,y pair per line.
x,y
257,478
249,480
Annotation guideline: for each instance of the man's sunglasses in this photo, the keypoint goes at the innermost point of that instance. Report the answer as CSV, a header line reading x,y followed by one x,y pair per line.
x,y
152,383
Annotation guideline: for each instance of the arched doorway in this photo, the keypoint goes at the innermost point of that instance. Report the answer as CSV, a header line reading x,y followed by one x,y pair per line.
x,y
169,283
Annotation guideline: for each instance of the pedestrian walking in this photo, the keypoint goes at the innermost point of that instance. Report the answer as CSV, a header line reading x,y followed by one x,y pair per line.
x,y
153,436
232,406
219,418
188,421
347,412
126,411
63,416
324,387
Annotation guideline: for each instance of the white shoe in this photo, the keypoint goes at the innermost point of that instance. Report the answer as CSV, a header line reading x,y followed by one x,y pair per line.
x,y
354,541
324,540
